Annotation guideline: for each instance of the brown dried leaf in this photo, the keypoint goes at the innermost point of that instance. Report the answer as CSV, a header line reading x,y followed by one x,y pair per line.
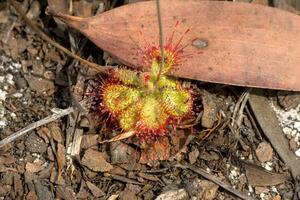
x,y
258,176
44,133
243,44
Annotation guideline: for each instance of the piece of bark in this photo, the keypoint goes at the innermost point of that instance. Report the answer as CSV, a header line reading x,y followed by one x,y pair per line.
x,y
61,161
96,161
97,192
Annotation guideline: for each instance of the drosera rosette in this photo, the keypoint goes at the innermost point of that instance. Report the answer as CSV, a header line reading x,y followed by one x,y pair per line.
x,y
146,103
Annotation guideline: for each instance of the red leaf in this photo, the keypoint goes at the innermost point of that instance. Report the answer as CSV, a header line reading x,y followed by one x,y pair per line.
x,y
241,44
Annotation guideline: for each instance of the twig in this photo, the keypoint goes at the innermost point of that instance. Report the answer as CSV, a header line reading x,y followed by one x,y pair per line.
x,y
23,131
161,40
45,37
242,107
125,179
239,108
215,180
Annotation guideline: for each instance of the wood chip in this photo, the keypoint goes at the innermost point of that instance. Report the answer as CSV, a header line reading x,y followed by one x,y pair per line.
x,y
159,150
31,195
97,192
89,140
61,161
95,161
193,156
210,109
148,176
63,192
179,194
56,132
264,152
121,152
127,194
33,167
39,85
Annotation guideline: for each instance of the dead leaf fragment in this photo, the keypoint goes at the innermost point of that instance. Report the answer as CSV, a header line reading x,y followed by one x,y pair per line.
x,y
63,192
208,190
44,133
34,10
159,150
210,110
122,153
258,176
7,159
56,133
18,185
89,140
264,152
97,192
127,194
179,194
259,190
61,161
33,167
4,16
95,161
201,189
31,195
40,85
193,156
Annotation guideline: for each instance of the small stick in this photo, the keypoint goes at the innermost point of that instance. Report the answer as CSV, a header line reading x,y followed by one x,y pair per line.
x,y
161,40
23,131
215,180
125,179
45,37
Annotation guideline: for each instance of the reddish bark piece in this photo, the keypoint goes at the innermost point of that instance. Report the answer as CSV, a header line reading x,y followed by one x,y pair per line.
x,y
158,150
241,44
